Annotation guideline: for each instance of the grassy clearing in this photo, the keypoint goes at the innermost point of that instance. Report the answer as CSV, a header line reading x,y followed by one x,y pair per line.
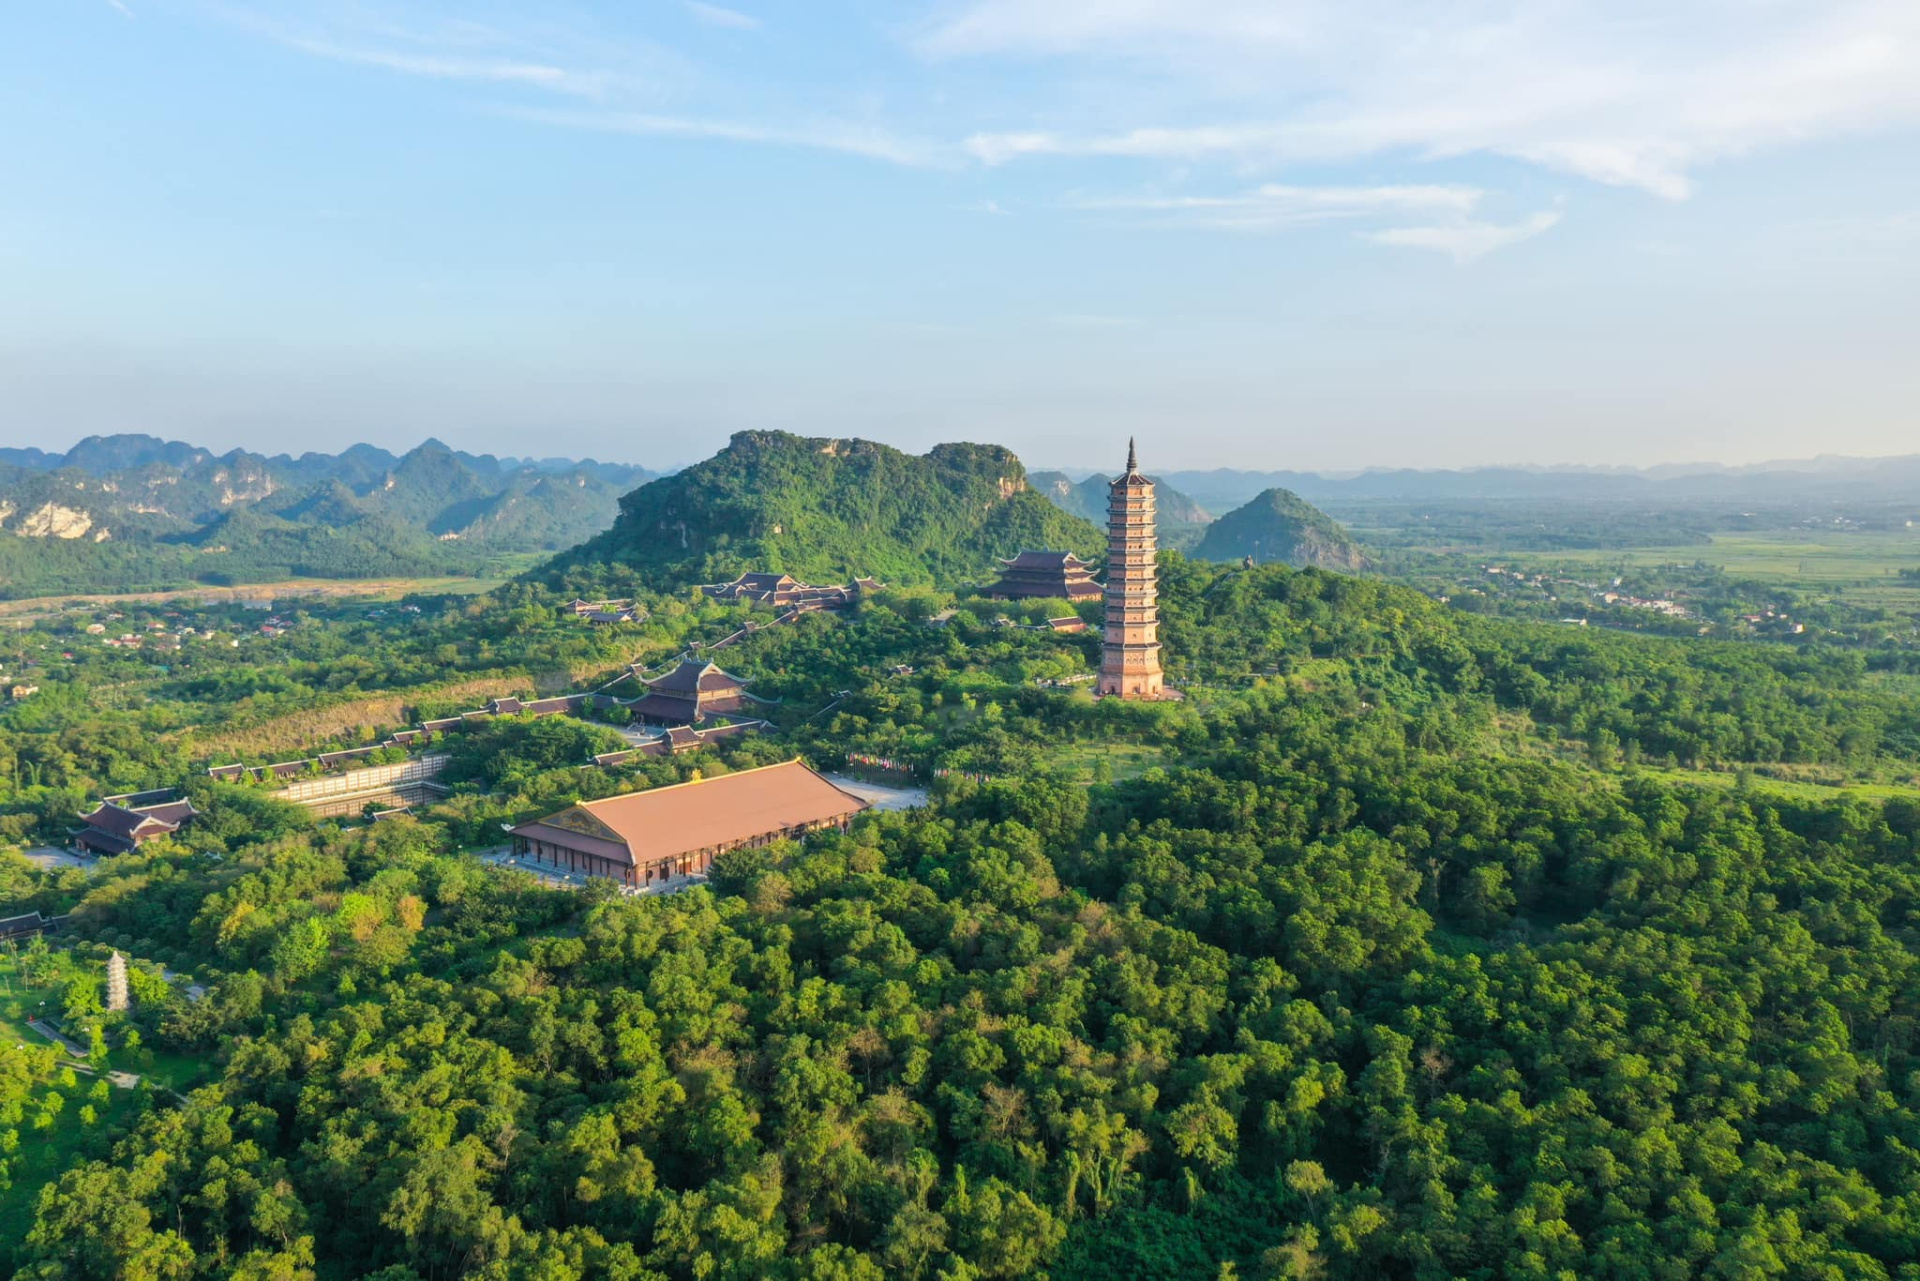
x,y
1121,761
1797,789
1514,734
20,1001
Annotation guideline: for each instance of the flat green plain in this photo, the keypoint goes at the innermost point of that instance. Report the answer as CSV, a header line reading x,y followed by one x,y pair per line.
x,y
1819,557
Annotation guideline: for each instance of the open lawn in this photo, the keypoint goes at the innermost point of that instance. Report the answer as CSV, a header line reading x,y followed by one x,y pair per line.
x,y
1794,788
20,1001
1123,760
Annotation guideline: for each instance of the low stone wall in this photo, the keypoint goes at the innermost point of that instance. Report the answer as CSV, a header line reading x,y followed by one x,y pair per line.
x,y
374,778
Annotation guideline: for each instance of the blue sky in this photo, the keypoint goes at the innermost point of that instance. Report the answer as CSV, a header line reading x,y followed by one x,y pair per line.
x,y
1311,233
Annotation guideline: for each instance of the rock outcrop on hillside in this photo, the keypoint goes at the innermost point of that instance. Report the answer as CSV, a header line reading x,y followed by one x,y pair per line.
x,y
1280,526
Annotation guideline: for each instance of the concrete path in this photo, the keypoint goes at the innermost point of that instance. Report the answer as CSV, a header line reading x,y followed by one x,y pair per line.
x,y
195,992
118,1080
46,1030
48,857
880,796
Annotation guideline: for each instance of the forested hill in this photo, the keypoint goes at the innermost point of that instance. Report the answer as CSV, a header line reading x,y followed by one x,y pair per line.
x,y
123,513
824,510
1281,526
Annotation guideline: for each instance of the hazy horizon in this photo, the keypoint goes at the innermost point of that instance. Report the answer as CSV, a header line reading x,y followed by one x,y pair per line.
x,y
1322,238
1078,465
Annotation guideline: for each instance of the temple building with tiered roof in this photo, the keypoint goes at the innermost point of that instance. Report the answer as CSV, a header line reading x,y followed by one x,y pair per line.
x,y
784,591
690,693
1046,576
113,828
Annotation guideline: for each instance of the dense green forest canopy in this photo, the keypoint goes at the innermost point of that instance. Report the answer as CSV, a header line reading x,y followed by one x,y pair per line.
x,y
1403,947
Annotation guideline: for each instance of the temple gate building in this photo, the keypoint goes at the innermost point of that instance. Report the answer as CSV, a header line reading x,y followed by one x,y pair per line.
x,y
1046,576
113,828
1130,659
785,591
691,693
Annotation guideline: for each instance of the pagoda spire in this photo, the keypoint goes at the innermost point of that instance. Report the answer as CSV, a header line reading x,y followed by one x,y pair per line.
x,y
1132,464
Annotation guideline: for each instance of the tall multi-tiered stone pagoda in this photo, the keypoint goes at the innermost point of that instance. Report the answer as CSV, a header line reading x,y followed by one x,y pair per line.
x,y
1130,663
117,996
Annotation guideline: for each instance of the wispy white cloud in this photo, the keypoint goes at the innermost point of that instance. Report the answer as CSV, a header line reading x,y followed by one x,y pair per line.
x,y
1466,240
823,135
715,16
1628,92
623,78
120,8
568,80
1275,206
1640,93
1278,207
430,43
993,207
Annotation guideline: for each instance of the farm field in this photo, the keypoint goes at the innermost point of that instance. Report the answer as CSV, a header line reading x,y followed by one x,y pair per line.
x,y
330,589
1816,558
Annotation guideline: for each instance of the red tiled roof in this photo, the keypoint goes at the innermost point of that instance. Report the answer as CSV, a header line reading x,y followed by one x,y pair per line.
x,y
691,677
665,707
1045,560
664,822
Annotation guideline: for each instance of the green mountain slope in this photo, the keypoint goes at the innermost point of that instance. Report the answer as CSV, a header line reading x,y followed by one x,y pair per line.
x,y
1279,525
826,509
1183,522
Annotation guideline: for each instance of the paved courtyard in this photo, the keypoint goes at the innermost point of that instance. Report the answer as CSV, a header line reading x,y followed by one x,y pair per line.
x,y
50,857
879,795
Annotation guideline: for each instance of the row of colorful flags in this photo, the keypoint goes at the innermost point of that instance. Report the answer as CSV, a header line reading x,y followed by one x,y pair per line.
x,y
888,762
